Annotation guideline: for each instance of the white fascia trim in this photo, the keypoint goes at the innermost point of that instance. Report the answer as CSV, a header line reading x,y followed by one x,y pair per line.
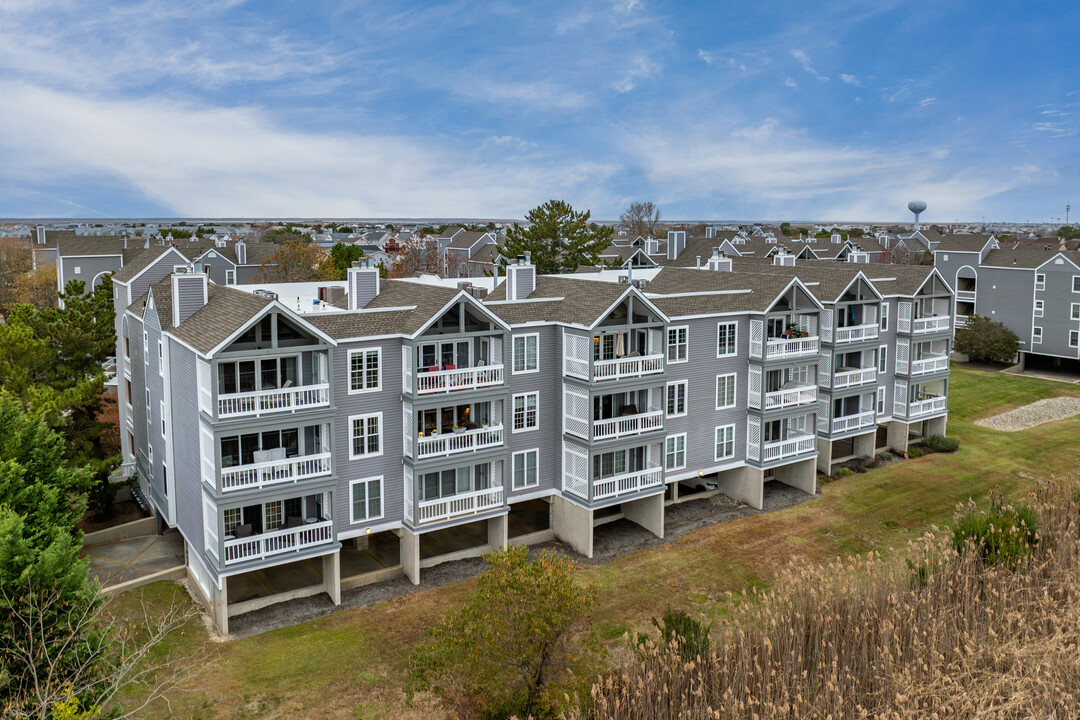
x,y
153,263
699,293
1058,255
698,474
65,257
521,302
525,496
368,530
457,298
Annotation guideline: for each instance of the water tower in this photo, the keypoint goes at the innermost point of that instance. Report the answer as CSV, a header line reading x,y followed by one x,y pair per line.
x,y
916,206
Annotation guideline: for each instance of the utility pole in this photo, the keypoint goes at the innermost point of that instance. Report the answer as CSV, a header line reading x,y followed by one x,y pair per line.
x,y
1068,207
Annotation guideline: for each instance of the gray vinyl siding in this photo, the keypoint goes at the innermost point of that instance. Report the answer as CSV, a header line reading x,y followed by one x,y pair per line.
x,y
548,437
246,273
138,401
1008,295
186,475
887,338
187,296
956,260
157,271
1057,299
215,266
90,266
155,383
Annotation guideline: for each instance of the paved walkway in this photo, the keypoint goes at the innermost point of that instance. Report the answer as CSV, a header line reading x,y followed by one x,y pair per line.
x,y
121,561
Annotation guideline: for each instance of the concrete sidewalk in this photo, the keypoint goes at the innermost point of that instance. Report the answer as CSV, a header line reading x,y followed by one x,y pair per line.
x,y
127,562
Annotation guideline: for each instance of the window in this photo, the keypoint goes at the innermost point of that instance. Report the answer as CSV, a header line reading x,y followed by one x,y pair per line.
x,y
1038,308
1074,311
78,270
1074,338
725,442
230,277
884,316
677,344
127,347
149,414
525,469
366,435
726,339
883,358
365,498
161,358
725,391
881,401
274,514
1036,335
164,480
127,393
232,519
525,415
1040,281
525,360
1076,283
365,370
150,455
675,452
676,398
161,407
146,347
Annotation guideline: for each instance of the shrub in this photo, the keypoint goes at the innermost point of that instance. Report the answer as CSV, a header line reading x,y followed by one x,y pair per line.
x,y
843,472
987,340
684,635
942,444
1003,534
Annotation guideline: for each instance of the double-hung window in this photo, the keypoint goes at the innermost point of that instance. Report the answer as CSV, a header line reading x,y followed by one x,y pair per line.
x,y
525,463
726,339
676,398
161,358
725,391
525,412
882,358
365,370
162,410
881,400
366,435
1036,335
230,277
725,442
525,353
1074,311
1074,338
1040,281
1038,308
1076,283
365,499
146,347
677,344
675,452
884,316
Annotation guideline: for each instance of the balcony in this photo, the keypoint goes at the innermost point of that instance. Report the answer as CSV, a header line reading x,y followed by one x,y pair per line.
x,y
277,400
278,542
795,445
274,472
628,483
445,444
961,321
627,367
850,378
783,348
918,408
628,425
855,333
790,397
965,295
853,422
935,324
455,506
430,382
928,365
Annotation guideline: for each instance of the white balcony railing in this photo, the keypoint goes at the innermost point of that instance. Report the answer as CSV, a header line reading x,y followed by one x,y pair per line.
x,y
918,408
961,320
274,472
939,323
850,378
469,503
628,483
853,422
261,402
459,442
796,445
855,333
628,425
278,542
968,295
929,365
440,381
779,348
627,367
790,397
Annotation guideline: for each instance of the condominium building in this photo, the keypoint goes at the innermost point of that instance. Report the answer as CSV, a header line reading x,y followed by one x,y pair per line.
x,y
318,436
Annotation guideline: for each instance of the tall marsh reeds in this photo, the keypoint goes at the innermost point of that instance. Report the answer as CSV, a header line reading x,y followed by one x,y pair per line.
x,y
941,632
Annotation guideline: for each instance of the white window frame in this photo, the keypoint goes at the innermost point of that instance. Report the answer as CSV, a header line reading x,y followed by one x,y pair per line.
x,y
670,452
146,347
226,513
230,277
1076,283
884,317
1038,308
525,484
526,427
734,390
353,455
1040,281
881,400
535,337
161,358
78,270
734,325
1036,335
164,479
685,344
161,408
378,375
727,430
149,415
883,358
367,483
667,393
1074,311
1074,338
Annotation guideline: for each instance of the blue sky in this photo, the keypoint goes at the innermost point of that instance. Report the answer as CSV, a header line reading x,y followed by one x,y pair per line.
x,y
777,110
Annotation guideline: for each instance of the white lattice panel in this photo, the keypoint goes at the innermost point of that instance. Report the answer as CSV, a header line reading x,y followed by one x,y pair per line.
x,y
827,325
903,316
757,332
407,369
656,340
575,355
408,474
900,393
903,355
575,411
823,415
497,351
206,448
497,473
206,391
753,438
824,369
408,423
753,385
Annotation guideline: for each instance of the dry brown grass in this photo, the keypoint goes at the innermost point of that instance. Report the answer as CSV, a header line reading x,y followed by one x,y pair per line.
x,y
874,638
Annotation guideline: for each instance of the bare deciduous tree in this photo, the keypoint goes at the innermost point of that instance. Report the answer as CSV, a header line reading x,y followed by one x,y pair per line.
x,y
420,256
640,218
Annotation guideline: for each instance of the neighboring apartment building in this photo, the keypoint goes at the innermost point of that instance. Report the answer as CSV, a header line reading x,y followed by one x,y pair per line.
x,y
379,427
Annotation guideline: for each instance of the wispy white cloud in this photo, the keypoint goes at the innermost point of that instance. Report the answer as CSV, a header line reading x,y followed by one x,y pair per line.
x,y
746,63
790,82
804,60
526,93
851,80
641,67
927,101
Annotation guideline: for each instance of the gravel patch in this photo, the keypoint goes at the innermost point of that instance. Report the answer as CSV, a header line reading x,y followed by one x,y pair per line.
x,y
1029,416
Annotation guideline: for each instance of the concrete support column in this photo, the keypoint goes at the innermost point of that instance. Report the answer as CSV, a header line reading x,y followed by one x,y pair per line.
x,y
648,513
410,555
219,606
865,445
498,529
801,475
936,427
824,456
573,525
898,437
674,492
331,573
745,484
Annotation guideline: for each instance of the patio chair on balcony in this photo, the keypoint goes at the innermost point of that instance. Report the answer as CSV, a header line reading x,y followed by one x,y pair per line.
x,y
242,531
293,521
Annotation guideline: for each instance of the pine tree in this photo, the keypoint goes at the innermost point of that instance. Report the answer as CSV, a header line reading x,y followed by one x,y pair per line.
x,y
559,239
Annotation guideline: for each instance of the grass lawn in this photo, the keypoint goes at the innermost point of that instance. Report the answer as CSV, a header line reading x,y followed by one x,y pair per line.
x,y
352,664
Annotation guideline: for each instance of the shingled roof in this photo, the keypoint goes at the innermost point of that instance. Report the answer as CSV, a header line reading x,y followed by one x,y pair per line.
x,y
565,300
226,311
